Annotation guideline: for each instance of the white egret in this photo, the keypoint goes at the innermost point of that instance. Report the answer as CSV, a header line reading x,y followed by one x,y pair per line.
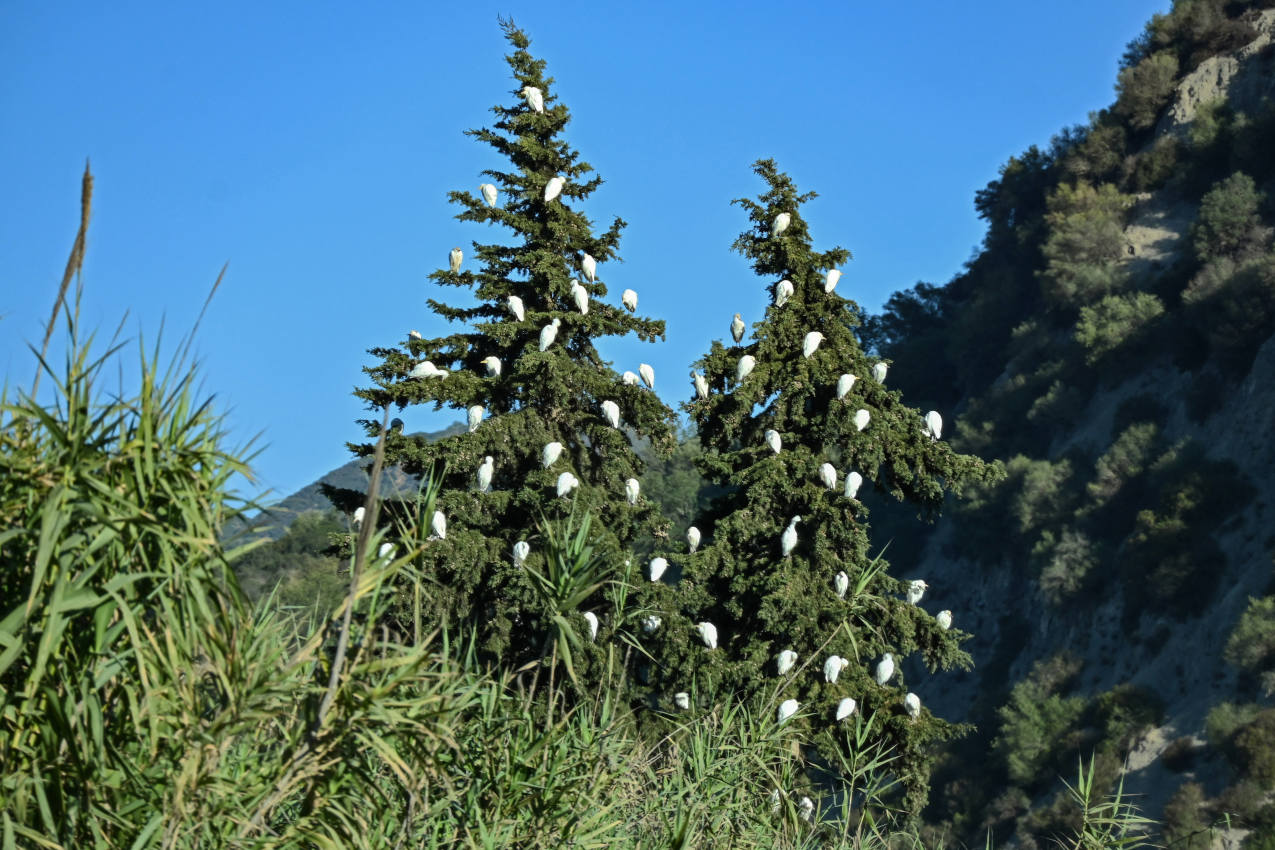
x,y
737,328
788,540
844,383
885,669
806,808
550,453
861,418
414,334
475,414
359,513
515,307
592,619
648,375
683,700
692,538
878,372
785,662
632,489
832,668
534,97
485,470
811,343
787,709
438,525
916,589
611,413
745,367
651,623
566,483
944,619
554,188
629,299
780,224
489,193
845,708
773,440
841,583
774,802
934,425
493,366
581,297
386,551
828,475
701,385
549,333
853,482
522,549
912,705
629,378
590,267
708,632
658,566
830,280
783,291
455,257
426,369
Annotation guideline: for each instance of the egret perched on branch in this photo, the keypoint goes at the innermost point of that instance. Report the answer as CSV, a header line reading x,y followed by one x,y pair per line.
x,y
832,668
692,538
554,188
426,369
944,619
515,307
629,299
828,475
414,334
878,372
485,470
861,416
885,669
550,453
844,383
788,540
455,257
493,366
629,378
590,267
632,489
566,483
912,705
841,583
489,193
845,708
701,385
806,808
438,525
651,623
830,280
611,413
534,97
683,700
811,343
549,333
737,328
773,440
475,414
581,296
745,367
853,482
592,619
785,661
359,513
780,224
916,589
708,632
658,566
934,425
787,709
648,375
783,291
521,550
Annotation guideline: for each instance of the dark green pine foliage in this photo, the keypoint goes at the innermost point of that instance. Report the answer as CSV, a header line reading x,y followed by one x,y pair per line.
x,y
537,398
762,603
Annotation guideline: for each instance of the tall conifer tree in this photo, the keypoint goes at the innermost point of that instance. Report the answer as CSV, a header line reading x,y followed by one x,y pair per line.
x,y
541,303
762,602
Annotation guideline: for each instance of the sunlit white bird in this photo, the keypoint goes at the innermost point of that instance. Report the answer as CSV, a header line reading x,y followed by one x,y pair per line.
x,y
682,699
630,378
844,384
489,193
359,513
785,662
944,619
493,366
788,540
651,623
830,280
916,589
811,343
833,666
701,385
692,539
737,328
912,705
550,453
708,632
592,619
438,525
745,367
629,299
773,440
549,333
485,470
774,802
787,709
554,188
934,425
861,418
885,669
841,583
611,413
475,414
853,482
581,297
522,549
426,369
590,267
566,483
780,224
828,475
515,307
414,334
632,489
385,551
658,566
845,708
535,98
648,375
783,291
806,808
878,372
456,256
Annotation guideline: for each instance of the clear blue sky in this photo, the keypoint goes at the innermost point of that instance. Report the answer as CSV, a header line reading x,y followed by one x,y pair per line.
x,y
311,146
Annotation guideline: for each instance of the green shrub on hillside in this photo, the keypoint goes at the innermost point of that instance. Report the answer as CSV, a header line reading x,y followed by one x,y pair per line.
x,y
1154,167
1251,646
1144,89
1254,748
1125,460
1035,719
1185,825
1229,223
1066,562
1116,322
1085,244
